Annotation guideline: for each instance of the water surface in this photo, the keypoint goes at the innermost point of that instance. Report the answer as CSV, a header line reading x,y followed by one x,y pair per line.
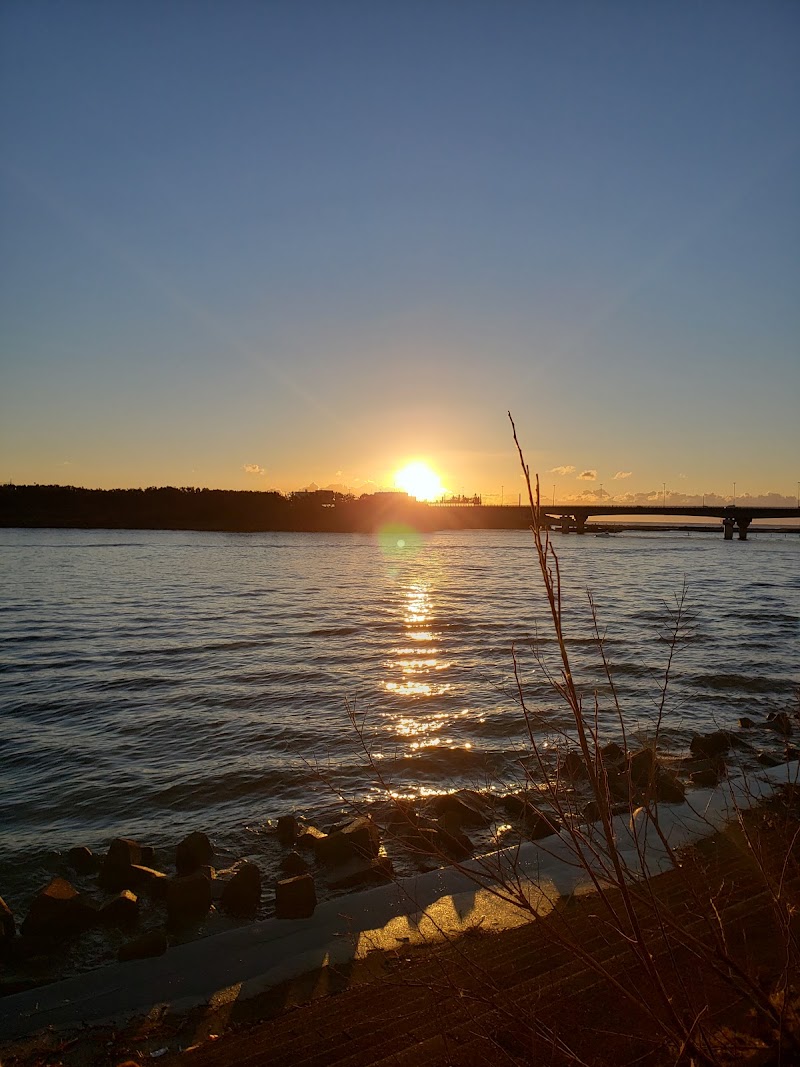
x,y
158,682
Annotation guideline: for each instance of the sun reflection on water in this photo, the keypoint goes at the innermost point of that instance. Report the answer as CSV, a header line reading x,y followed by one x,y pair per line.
x,y
416,677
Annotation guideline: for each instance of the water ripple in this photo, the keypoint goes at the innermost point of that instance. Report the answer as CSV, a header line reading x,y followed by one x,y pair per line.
x,y
162,682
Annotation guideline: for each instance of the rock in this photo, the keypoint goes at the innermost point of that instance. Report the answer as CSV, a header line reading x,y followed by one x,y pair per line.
x,y
402,816
188,898
333,828
592,813
538,825
59,910
619,785
648,775
445,840
194,852
410,829
359,838
642,767
86,912
572,765
781,722
612,755
361,872
134,876
8,927
152,881
739,742
451,840
309,837
81,859
717,763
293,864
150,944
222,877
711,745
121,910
668,788
514,805
520,805
287,830
465,805
425,839
114,879
123,853
505,835
707,772
242,895
295,898
706,777
766,759
745,723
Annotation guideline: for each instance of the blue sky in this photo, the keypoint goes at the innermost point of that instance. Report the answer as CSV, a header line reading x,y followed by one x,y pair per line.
x,y
318,240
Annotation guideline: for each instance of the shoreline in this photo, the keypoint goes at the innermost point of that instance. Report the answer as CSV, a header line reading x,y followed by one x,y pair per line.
x,y
251,960
592,528
409,842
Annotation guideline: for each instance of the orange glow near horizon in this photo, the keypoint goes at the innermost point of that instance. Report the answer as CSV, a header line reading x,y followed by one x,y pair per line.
x,y
419,480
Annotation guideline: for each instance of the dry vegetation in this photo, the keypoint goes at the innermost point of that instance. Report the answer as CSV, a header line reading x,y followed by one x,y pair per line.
x,y
695,966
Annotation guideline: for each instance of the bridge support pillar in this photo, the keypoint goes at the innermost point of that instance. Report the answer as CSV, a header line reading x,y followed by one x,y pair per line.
x,y
727,529
565,524
580,525
743,522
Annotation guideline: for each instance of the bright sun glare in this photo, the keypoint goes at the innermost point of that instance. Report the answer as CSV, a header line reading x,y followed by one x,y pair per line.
x,y
418,480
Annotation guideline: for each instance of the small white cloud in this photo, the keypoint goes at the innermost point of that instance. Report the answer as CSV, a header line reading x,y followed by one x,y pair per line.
x,y
622,474
253,468
587,476
562,470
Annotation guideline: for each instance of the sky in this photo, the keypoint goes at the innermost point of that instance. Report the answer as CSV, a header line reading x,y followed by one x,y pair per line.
x,y
279,244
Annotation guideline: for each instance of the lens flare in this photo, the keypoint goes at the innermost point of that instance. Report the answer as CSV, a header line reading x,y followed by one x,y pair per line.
x,y
398,539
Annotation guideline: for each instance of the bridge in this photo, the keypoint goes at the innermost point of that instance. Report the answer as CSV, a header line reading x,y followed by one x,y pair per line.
x,y
574,517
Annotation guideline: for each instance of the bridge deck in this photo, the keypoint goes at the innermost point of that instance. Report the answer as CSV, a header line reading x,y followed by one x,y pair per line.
x,y
732,511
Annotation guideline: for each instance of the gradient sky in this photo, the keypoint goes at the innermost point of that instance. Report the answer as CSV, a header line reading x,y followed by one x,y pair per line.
x,y
320,239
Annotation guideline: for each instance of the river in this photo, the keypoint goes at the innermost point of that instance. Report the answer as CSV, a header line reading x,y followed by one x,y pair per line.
x,y
159,682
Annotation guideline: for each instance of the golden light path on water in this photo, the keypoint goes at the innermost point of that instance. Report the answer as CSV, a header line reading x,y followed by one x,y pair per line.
x,y
416,668
418,662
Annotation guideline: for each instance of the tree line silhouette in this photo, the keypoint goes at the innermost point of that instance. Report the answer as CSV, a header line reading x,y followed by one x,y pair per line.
x,y
169,508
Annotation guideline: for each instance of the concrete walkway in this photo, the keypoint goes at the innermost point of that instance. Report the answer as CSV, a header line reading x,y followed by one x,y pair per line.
x,y
565,987
244,963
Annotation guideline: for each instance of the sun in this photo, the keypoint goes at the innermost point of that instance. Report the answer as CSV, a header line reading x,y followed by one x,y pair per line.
x,y
417,479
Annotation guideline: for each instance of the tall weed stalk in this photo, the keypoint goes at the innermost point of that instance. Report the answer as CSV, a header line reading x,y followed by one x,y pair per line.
x,y
658,939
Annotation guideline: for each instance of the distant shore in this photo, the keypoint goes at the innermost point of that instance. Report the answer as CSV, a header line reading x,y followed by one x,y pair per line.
x,y
224,511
